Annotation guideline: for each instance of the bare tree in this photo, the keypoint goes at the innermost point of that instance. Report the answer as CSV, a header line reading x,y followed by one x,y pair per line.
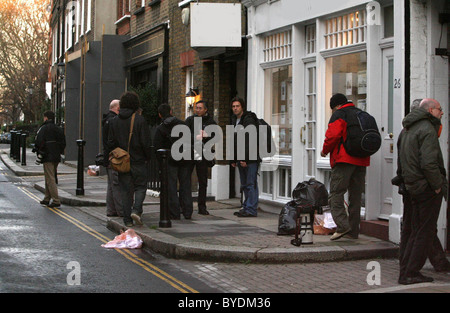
x,y
24,42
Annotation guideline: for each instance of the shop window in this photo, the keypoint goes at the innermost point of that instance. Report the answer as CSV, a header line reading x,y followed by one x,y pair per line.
x,y
278,46
345,30
346,74
278,104
310,38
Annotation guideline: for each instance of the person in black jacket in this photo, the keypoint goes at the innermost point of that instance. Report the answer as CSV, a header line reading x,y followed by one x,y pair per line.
x,y
50,143
113,196
177,169
133,183
201,164
247,160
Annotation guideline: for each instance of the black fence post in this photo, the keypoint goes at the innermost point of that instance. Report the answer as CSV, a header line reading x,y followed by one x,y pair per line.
x,y
24,149
17,141
80,168
11,144
164,220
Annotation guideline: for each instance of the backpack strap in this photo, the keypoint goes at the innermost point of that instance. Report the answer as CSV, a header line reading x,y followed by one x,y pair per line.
x,y
131,131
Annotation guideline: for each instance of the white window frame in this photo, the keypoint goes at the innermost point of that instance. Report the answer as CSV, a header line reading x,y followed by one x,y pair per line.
x,y
89,16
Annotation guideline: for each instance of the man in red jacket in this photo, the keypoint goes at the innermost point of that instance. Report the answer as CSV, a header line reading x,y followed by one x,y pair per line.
x,y
348,173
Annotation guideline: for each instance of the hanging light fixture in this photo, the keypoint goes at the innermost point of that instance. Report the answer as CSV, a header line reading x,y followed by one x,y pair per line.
x,y
190,97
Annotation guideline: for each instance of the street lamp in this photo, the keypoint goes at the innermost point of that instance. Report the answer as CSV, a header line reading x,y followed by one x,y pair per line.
x,y
191,97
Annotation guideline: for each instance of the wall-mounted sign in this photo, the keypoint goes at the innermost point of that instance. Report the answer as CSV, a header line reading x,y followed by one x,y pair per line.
x,y
216,24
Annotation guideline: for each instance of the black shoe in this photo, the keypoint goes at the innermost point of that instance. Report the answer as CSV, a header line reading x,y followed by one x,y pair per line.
x,y
187,217
239,212
54,205
415,280
443,269
245,214
203,212
45,202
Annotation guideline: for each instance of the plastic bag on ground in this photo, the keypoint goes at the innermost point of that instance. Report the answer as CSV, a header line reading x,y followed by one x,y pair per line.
x,y
126,240
324,224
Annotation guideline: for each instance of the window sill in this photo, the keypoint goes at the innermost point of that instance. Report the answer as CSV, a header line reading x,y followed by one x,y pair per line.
x,y
154,2
139,11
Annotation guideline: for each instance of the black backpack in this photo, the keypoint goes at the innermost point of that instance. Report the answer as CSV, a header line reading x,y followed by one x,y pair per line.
x,y
363,137
270,148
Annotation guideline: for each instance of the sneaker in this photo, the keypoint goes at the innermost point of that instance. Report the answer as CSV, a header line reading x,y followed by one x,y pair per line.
x,y
44,202
136,218
337,235
54,205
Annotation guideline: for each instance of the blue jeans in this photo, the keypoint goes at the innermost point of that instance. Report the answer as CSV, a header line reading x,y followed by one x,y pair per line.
x,y
249,185
133,185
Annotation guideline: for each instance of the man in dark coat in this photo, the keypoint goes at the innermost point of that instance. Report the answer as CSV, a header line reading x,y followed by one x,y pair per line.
x,y
424,176
246,156
50,144
133,183
201,164
178,170
113,196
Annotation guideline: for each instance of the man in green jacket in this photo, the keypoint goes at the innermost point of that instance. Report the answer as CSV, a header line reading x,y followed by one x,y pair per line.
x,y
425,179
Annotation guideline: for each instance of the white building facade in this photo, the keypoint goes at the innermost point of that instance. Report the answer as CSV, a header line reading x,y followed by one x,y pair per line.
x,y
381,54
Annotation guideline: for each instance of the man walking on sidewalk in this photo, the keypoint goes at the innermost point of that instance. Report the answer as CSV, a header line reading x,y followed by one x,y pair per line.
x,y
424,175
50,143
348,172
113,196
133,183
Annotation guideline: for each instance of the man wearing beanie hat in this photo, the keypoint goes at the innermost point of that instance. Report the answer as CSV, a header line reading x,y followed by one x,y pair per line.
x,y
348,172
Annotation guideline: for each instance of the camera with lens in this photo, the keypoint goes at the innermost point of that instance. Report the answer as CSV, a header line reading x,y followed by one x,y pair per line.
x,y
39,156
398,181
100,159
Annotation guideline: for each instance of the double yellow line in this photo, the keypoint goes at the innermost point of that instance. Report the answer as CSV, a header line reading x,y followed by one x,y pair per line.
x,y
124,252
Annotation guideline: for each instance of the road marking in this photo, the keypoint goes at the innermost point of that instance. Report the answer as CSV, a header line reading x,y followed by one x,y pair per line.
x,y
124,252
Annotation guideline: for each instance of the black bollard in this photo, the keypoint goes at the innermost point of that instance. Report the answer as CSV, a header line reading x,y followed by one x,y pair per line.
x,y
11,144
24,148
80,168
17,151
164,220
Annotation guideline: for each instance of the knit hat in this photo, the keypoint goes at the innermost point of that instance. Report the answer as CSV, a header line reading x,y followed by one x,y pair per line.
x,y
337,99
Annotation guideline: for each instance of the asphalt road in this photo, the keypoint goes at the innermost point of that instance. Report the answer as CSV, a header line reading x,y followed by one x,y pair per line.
x,y
59,250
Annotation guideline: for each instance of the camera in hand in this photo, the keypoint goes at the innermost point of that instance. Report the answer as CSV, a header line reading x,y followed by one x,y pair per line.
x,y
39,156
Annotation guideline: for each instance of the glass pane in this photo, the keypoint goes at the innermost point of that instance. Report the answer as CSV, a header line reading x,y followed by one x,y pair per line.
x,y
389,21
278,104
282,183
391,96
346,74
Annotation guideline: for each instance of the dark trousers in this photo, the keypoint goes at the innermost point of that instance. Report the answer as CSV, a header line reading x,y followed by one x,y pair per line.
x,y
422,241
183,201
347,177
202,175
436,253
133,188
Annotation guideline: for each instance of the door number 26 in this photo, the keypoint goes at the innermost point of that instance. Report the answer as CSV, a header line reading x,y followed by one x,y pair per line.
x,y
397,83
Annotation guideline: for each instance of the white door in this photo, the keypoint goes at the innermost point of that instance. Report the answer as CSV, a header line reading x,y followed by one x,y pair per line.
x,y
386,129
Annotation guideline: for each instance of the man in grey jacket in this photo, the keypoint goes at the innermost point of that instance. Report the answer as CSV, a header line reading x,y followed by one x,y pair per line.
x,y
425,180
